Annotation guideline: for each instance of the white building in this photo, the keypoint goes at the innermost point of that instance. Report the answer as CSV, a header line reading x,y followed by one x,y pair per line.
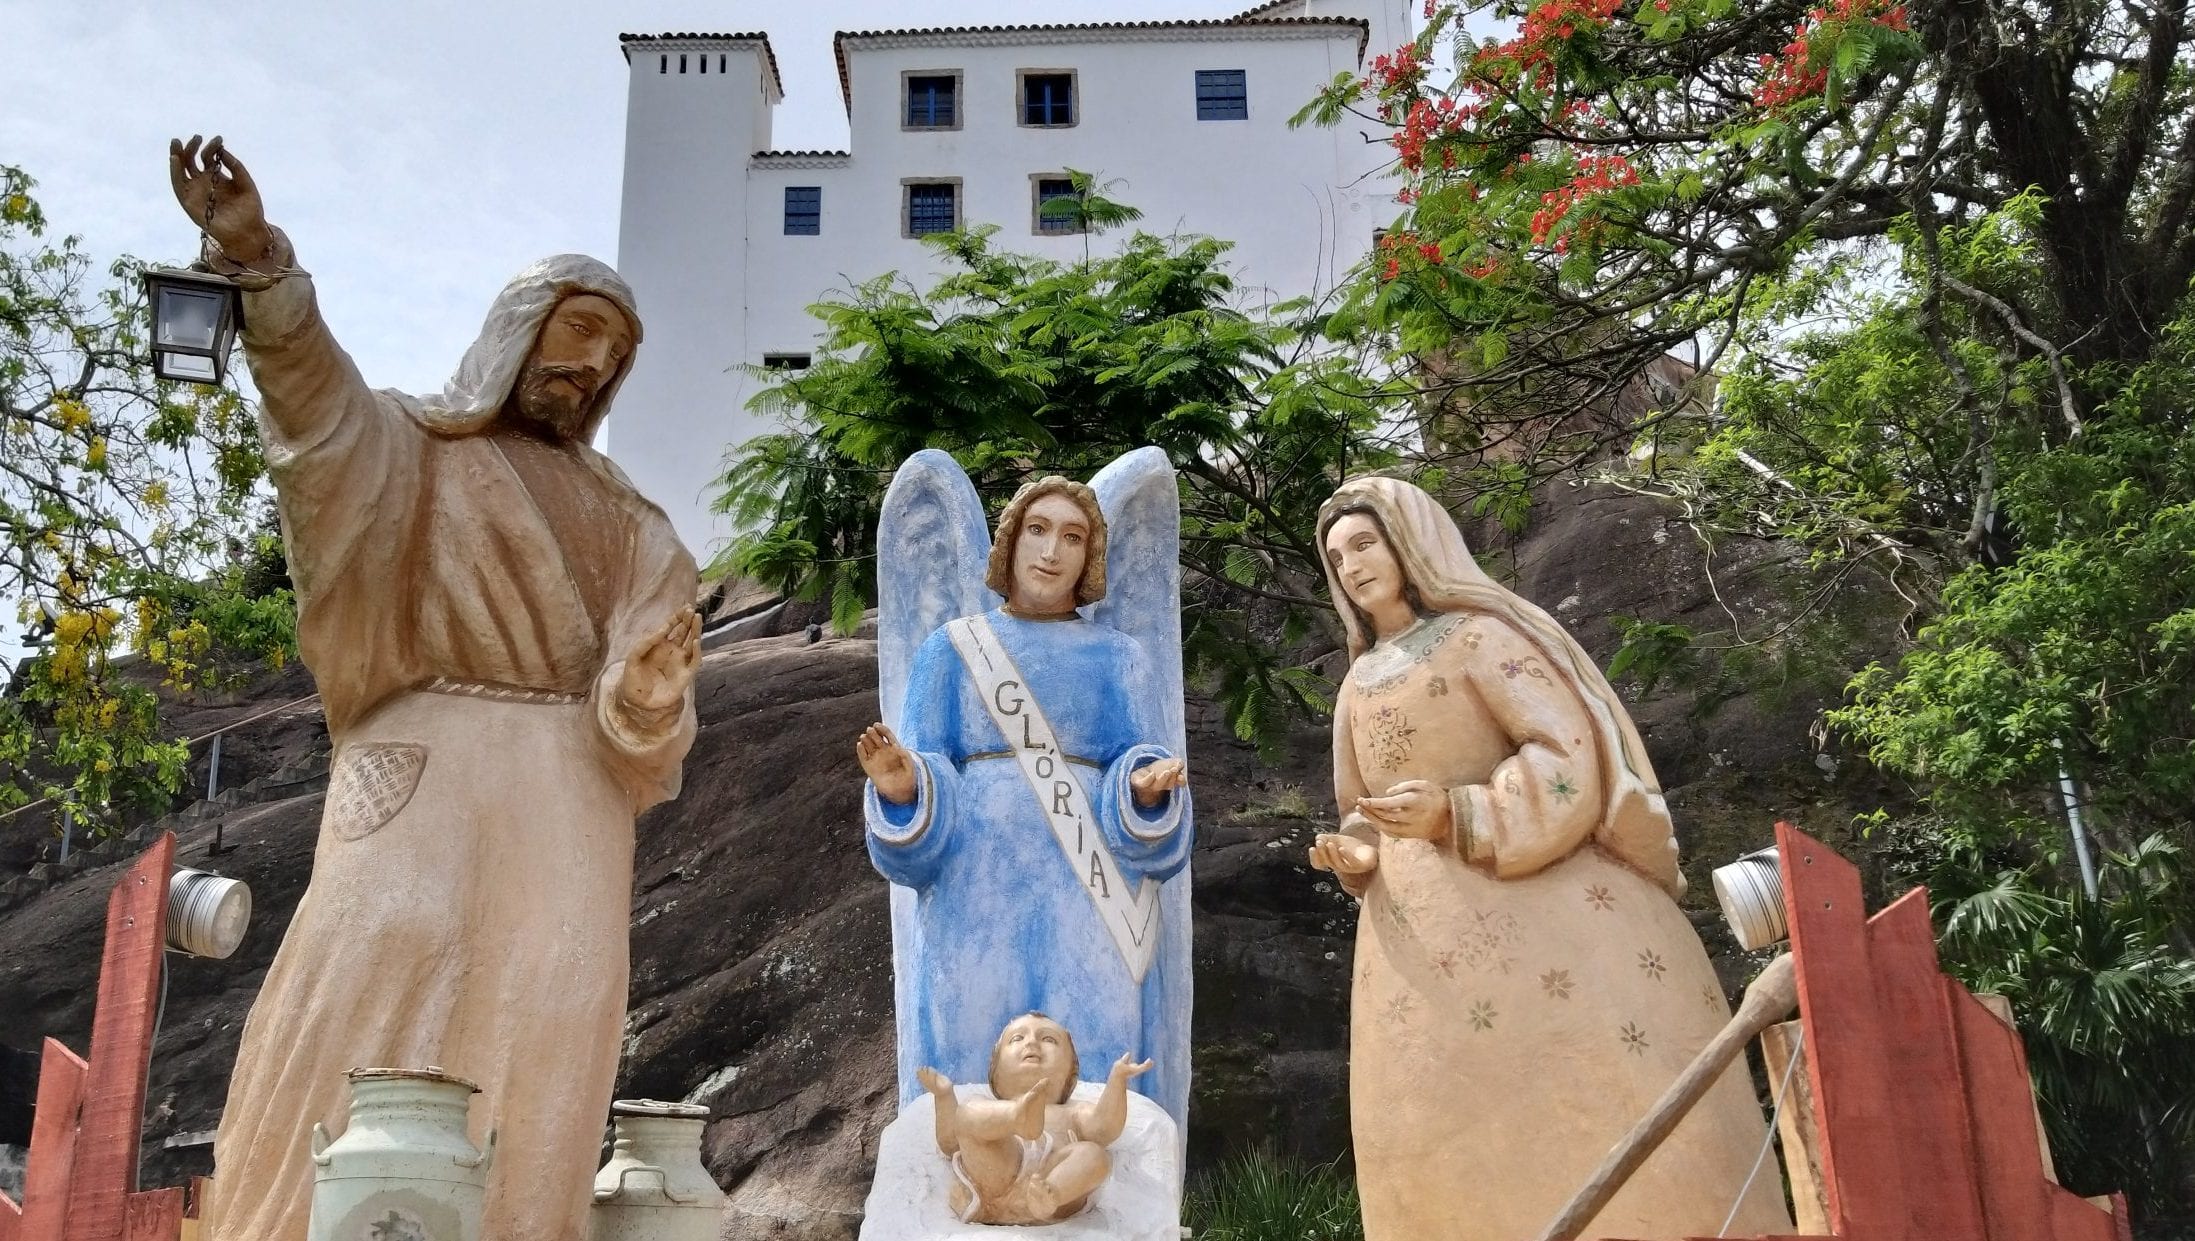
x,y
727,242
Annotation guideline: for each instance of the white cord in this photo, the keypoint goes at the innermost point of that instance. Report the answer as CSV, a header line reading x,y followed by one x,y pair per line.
x,y
1774,1114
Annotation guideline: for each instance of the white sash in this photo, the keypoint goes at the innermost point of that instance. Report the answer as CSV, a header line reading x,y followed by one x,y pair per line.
x,y
1130,917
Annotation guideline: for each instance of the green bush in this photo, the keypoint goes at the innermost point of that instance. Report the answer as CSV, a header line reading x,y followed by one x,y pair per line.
x,y
1259,1196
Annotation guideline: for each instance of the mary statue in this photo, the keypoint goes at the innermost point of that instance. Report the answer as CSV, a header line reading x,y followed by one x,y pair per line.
x,y
1525,984
1031,807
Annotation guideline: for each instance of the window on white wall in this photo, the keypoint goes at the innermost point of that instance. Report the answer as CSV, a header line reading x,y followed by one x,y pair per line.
x,y
932,207
803,210
933,101
785,361
1057,205
1223,95
1048,98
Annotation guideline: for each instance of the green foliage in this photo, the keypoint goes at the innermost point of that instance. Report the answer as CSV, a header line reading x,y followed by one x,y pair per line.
x,y
118,497
1259,1196
1651,650
1020,366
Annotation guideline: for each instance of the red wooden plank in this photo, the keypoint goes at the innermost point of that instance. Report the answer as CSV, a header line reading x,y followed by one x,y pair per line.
x,y
154,1215
1921,1052
2008,1161
1857,1099
121,1048
2074,1218
52,1145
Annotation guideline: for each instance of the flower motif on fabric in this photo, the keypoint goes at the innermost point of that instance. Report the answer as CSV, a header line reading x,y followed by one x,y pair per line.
x,y
1561,789
1446,962
1437,687
1400,1007
1390,737
1713,997
1486,939
1599,897
1634,1039
1558,984
1650,963
1529,667
1399,910
1482,1015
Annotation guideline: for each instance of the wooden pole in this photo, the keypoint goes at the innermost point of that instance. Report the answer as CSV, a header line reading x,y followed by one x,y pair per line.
x,y
1768,999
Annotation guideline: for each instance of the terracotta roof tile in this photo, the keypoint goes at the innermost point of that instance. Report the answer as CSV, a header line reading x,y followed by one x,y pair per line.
x,y
1246,19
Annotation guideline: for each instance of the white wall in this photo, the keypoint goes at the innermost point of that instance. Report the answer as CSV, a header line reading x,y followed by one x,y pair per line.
x,y
718,280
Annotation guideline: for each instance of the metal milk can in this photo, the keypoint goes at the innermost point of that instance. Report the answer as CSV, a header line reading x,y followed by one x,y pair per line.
x,y
654,1187
404,1169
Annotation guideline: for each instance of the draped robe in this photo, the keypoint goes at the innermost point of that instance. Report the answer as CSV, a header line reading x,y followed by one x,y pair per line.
x,y
1005,925
465,603
1521,996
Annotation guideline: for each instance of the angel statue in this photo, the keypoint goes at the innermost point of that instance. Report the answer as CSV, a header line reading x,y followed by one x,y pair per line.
x,y
1525,983
1029,800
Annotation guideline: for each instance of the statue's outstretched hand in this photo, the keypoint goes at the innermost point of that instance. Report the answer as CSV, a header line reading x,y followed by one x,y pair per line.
x,y
661,666
1414,809
891,768
1126,1069
1345,856
933,1081
1150,783
220,197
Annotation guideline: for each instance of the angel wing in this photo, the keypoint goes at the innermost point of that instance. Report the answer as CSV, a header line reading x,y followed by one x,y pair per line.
x,y
1142,504
932,545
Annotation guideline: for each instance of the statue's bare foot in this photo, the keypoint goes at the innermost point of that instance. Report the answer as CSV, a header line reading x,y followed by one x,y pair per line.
x,y
1029,1121
1042,1197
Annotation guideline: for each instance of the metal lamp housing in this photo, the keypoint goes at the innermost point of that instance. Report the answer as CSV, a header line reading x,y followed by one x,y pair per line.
x,y
195,318
207,913
1750,891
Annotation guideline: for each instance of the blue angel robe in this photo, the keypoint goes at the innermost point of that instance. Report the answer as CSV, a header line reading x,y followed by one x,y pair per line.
x,y
1002,924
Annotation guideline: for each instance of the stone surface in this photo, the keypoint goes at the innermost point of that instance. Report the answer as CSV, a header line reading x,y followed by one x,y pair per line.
x,y
907,1202
761,983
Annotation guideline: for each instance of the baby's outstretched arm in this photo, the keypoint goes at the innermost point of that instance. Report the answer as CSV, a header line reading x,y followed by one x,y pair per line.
x,y
1102,1121
947,1106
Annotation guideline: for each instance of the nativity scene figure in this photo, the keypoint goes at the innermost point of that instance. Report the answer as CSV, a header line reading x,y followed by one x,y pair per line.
x,y
502,634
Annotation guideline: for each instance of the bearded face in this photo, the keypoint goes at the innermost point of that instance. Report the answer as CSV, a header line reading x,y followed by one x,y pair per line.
x,y
581,349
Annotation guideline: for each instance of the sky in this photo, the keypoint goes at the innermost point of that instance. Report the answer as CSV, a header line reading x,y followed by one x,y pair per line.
x,y
418,153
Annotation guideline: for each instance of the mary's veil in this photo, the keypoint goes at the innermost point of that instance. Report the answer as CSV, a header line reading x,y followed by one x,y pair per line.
x,y
1635,826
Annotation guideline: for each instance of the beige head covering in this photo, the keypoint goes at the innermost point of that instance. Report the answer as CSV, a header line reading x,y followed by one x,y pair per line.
x,y
1635,826
999,575
490,369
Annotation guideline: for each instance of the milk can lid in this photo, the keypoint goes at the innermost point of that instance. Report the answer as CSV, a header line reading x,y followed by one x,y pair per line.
x,y
431,1073
657,1107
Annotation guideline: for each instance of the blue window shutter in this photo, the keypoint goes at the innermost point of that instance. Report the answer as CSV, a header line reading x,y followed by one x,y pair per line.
x,y
1223,95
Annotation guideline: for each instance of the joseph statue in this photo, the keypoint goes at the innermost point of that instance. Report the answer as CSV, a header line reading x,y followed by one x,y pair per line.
x,y
503,635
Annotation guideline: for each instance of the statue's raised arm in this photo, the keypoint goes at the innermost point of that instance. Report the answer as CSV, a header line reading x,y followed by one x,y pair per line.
x,y
1028,792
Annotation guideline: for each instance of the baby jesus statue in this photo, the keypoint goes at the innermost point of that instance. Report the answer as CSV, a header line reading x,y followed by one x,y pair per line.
x,y
1029,1155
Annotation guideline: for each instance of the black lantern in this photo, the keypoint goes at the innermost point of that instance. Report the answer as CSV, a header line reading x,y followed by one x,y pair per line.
x,y
195,316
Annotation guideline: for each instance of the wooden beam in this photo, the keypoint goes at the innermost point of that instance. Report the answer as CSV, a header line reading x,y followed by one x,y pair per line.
x,y
154,1215
52,1145
1920,1050
121,1049
1802,1147
1857,1098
